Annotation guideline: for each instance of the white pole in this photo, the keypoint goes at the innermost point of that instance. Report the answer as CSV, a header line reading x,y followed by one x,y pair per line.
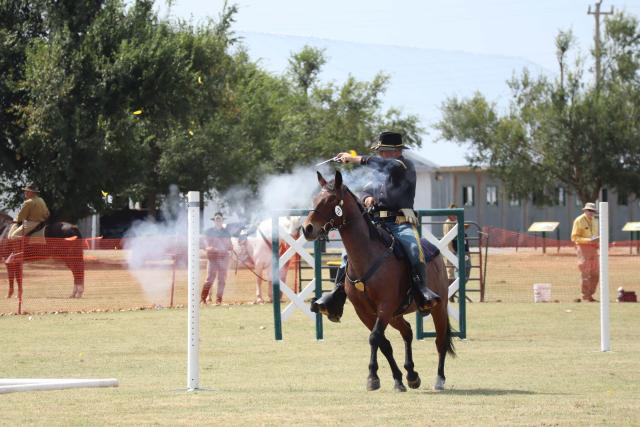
x,y
30,384
605,344
94,230
193,253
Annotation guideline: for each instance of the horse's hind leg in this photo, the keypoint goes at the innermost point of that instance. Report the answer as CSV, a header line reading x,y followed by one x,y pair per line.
x,y
76,266
18,276
444,343
413,379
378,340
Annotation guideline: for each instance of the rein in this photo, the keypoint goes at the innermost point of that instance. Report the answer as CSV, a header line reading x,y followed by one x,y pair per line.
x,y
361,283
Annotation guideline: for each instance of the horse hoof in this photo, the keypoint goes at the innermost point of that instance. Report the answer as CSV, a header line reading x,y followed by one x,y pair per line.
x,y
439,385
399,386
373,384
414,383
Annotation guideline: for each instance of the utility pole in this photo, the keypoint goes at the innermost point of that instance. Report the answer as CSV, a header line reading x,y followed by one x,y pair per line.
x,y
598,52
596,14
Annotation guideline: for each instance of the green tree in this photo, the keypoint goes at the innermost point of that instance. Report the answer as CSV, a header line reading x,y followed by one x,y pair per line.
x,y
79,86
321,120
561,130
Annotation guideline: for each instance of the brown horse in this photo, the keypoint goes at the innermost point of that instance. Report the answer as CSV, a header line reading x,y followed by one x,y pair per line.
x,y
63,242
383,300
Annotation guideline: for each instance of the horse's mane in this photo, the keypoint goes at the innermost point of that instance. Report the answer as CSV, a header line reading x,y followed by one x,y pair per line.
x,y
374,233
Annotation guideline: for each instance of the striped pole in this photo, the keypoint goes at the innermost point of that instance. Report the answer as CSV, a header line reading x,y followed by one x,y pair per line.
x,y
605,344
193,254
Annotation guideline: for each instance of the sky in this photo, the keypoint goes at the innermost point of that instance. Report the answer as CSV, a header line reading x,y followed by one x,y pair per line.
x,y
431,49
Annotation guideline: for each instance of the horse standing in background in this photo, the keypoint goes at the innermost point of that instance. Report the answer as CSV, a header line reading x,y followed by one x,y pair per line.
x,y
377,282
256,253
63,242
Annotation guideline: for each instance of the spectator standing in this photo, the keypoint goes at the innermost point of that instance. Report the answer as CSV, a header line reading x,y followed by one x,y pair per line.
x,y
585,236
218,247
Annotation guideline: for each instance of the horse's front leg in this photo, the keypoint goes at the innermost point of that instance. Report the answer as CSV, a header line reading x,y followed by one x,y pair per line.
x,y
404,327
10,276
378,340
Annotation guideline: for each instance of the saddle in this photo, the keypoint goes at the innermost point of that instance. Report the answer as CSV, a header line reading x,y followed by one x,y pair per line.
x,y
429,250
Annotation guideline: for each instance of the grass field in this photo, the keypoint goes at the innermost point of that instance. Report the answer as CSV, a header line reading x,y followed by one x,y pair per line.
x,y
523,364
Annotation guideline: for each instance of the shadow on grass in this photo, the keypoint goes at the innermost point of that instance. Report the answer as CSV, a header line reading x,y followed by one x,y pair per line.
x,y
488,392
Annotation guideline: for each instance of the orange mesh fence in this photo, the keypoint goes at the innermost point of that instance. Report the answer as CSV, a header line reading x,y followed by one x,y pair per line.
x,y
122,274
114,274
516,262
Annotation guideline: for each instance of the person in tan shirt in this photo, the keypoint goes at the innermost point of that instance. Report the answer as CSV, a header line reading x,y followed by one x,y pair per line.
x,y
585,236
33,212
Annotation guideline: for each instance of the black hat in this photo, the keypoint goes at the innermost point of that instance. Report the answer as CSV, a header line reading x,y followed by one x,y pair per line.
x,y
388,141
31,187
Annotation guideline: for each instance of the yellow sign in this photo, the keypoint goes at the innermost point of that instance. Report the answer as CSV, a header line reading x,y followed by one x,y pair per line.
x,y
631,226
543,226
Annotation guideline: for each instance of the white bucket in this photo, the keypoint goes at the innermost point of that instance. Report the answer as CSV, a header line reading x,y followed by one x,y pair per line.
x,y
542,292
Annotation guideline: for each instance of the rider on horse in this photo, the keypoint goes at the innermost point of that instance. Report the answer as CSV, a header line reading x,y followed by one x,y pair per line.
x,y
32,215
392,202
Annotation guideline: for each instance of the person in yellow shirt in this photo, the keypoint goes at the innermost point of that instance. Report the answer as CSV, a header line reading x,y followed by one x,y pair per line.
x,y
585,236
33,213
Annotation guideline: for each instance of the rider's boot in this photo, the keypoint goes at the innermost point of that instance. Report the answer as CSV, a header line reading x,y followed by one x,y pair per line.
x,y
426,299
331,304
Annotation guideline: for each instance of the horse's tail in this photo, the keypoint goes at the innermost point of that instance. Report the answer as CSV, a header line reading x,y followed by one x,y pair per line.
x,y
449,343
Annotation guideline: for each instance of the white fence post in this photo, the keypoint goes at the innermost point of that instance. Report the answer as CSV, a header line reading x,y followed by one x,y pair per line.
x,y
605,344
193,254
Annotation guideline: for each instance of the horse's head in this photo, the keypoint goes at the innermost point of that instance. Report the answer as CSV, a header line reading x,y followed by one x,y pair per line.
x,y
327,212
5,225
292,225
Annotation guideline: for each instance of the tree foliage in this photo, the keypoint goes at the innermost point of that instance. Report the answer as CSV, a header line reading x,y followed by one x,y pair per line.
x,y
561,130
105,97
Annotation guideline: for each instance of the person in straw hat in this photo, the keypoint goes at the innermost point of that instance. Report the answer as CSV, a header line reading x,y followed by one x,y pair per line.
x,y
585,236
33,213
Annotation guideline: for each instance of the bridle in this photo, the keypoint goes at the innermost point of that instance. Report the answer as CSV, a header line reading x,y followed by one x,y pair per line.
x,y
338,220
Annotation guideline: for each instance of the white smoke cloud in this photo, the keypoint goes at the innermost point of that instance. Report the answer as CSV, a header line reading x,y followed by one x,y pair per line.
x,y
152,246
